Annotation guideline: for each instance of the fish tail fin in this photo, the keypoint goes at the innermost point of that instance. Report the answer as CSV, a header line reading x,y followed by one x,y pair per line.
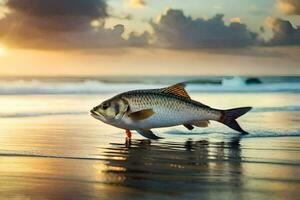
x,y
228,117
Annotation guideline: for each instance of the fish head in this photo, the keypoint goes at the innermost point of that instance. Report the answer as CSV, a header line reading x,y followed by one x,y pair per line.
x,y
111,110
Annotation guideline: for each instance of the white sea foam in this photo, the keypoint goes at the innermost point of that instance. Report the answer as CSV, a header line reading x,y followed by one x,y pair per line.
x,y
85,87
93,86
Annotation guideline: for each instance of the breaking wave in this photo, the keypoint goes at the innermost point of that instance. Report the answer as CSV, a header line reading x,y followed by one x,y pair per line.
x,y
98,85
86,87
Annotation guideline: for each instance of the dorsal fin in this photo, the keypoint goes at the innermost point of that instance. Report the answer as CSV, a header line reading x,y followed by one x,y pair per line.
x,y
177,89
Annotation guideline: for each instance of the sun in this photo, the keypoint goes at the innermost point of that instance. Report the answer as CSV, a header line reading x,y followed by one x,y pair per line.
x,y
2,50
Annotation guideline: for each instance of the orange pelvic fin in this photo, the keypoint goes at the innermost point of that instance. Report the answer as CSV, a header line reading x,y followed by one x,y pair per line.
x,y
128,134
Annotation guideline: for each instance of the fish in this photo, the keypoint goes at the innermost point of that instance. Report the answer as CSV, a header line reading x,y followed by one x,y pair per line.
x,y
143,110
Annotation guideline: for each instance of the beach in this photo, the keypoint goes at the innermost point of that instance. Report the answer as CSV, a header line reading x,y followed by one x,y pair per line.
x,y
225,72
51,148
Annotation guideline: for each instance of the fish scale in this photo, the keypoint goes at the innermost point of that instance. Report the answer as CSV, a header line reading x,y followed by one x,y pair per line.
x,y
170,110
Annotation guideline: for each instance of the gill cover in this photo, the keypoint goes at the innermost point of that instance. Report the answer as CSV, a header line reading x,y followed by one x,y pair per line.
x,y
121,108
112,109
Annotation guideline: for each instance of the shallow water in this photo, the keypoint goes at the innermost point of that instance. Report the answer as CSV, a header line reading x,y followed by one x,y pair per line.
x,y
50,148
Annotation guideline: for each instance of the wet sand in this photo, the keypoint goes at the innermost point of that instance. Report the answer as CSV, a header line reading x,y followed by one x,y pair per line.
x,y
267,168
50,148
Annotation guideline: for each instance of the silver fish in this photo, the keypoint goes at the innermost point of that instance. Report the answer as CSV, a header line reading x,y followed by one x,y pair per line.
x,y
143,110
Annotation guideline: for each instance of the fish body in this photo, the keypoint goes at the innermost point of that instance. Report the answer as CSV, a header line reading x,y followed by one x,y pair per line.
x,y
142,110
169,109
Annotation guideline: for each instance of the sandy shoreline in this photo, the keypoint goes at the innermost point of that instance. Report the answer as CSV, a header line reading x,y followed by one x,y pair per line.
x,y
249,168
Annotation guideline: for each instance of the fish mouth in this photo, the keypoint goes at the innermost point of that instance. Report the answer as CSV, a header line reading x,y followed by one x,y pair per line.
x,y
95,114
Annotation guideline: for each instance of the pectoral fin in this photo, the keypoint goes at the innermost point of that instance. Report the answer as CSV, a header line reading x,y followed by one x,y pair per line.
x,y
148,134
188,126
201,123
141,115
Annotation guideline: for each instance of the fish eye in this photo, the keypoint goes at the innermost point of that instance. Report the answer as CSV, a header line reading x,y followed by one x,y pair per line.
x,y
105,105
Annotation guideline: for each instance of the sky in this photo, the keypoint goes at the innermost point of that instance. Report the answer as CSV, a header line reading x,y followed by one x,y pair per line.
x,y
143,37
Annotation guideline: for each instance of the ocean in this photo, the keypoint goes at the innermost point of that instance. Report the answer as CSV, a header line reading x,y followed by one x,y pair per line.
x,y
51,148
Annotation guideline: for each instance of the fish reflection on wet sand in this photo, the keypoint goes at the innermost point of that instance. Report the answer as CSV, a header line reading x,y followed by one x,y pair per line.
x,y
196,169
172,164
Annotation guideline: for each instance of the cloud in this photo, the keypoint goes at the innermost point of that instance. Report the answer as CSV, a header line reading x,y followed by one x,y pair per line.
x,y
176,30
25,36
141,40
74,24
57,15
289,7
43,8
137,3
59,24
283,32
